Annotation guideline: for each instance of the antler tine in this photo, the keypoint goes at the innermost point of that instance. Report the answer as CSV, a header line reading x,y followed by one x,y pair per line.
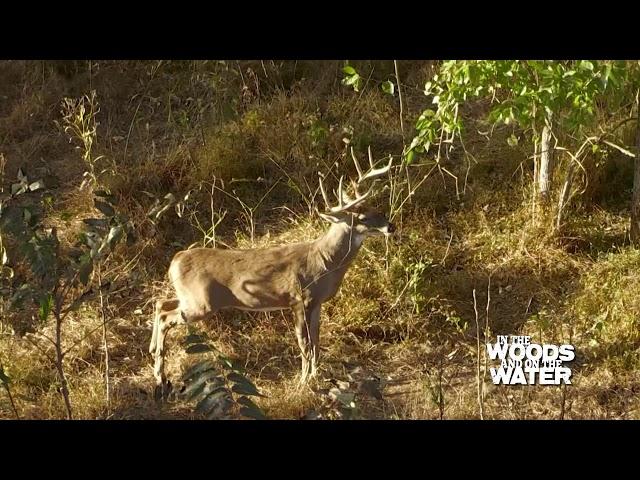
x,y
377,172
355,161
324,193
340,194
351,202
345,202
372,172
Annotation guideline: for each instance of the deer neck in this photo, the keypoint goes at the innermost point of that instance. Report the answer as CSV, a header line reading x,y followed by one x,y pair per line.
x,y
338,247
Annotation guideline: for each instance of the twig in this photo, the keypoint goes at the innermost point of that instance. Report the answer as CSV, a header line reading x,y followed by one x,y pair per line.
x,y
105,342
447,251
135,114
479,384
395,66
6,387
412,192
398,298
486,334
60,355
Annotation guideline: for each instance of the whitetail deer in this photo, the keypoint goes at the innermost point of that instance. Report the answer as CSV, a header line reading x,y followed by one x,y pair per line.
x,y
298,277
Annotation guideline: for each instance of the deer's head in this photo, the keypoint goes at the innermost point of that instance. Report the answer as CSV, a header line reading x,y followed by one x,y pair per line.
x,y
351,211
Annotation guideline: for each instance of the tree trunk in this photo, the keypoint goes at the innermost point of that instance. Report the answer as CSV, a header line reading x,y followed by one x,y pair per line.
x,y
64,389
6,387
635,201
564,193
546,160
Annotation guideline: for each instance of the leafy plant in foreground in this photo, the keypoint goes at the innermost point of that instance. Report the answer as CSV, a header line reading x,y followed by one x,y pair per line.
x,y
217,386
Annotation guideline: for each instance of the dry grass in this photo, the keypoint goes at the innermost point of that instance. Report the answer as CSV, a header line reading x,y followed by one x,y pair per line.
x,y
405,312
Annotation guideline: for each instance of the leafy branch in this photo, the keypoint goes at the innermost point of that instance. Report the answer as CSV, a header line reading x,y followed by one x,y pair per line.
x,y
217,386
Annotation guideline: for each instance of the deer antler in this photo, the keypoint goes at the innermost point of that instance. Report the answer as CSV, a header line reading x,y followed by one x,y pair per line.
x,y
372,172
344,201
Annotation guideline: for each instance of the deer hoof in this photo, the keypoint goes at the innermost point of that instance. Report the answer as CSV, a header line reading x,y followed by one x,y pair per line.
x,y
161,392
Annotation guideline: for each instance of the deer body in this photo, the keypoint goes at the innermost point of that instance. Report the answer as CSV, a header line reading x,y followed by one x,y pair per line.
x,y
297,277
209,279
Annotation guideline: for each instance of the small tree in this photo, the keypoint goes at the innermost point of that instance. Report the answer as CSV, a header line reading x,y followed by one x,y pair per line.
x,y
635,201
550,101
61,279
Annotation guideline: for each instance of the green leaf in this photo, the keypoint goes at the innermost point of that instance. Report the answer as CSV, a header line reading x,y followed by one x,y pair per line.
x,y
37,185
247,402
512,140
246,389
115,234
250,409
209,379
194,338
252,413
349,70
198,368
28,216
198,348
586,65
345,398
106,195
388,87
194,390
86,268
17,189
221,408
237,377
3,377
409,157
106,209
353,80
228,363
215,399
96,222
46,305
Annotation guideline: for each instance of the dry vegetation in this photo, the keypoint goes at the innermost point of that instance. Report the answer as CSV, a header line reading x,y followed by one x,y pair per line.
x,y
405,314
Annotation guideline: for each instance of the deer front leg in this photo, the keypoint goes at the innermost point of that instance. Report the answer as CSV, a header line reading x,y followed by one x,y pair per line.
x,y
302,333
314,337
308,333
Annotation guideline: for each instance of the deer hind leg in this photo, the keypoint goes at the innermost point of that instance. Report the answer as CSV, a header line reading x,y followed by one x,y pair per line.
x,y
168,315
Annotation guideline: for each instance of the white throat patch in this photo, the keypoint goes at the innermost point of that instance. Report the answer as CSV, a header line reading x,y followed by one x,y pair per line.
x,y
357,239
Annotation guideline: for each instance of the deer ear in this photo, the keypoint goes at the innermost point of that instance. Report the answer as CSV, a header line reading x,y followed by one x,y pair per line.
x,y
333,217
